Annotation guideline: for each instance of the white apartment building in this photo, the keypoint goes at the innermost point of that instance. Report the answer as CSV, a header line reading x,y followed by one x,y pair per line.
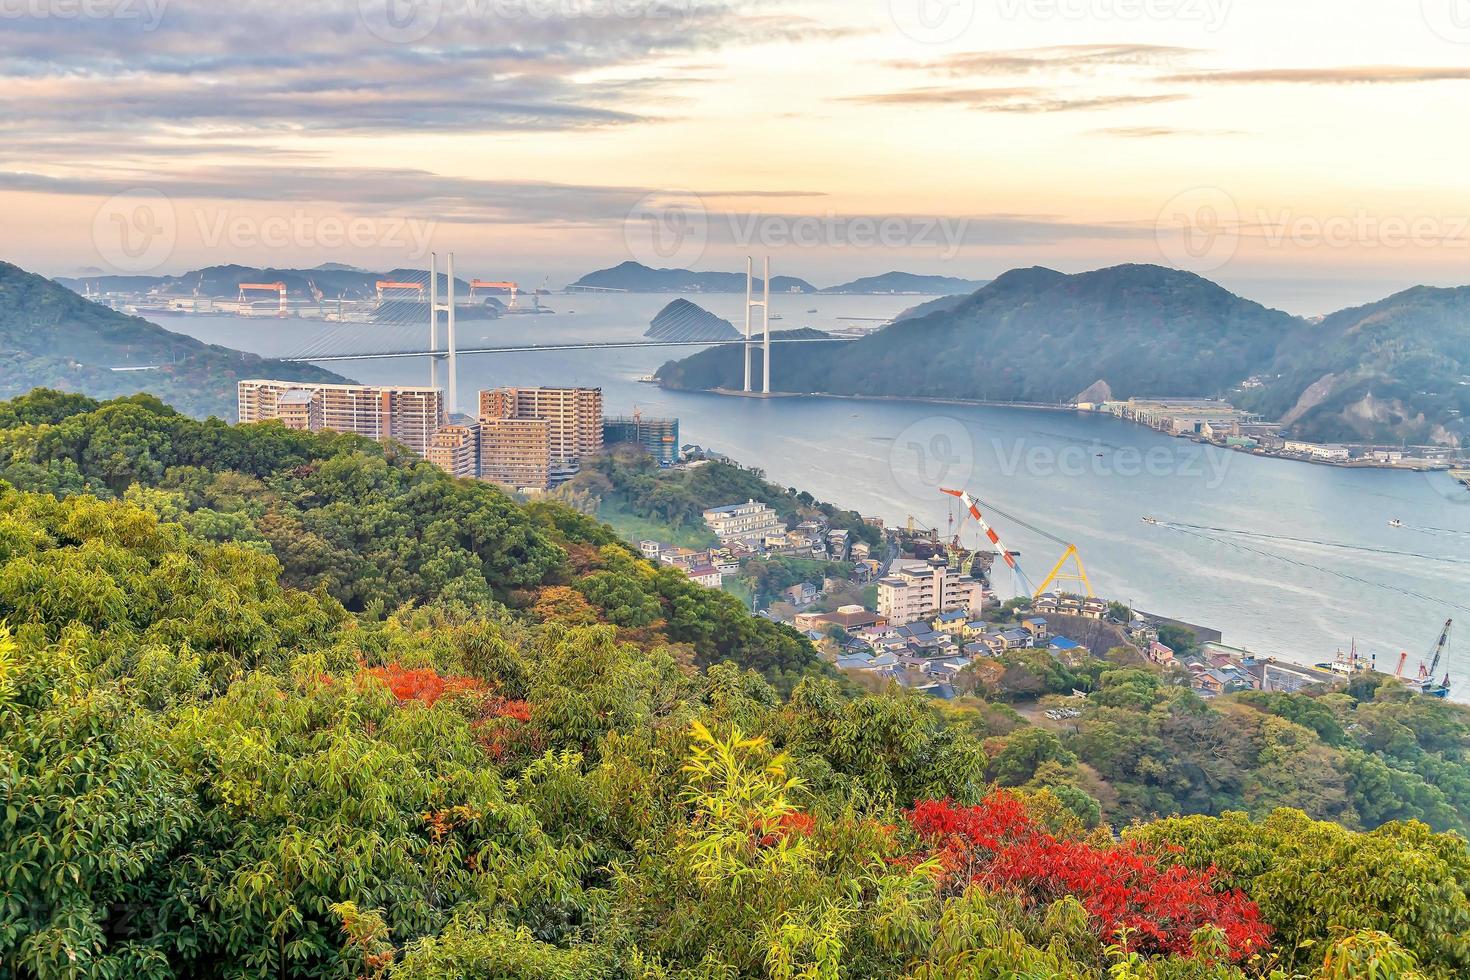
x,y
410,415
748,522
915,590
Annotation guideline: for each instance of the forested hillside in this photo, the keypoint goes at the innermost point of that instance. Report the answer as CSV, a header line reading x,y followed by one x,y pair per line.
x,y
286,704
1391,372
51,336
1039,335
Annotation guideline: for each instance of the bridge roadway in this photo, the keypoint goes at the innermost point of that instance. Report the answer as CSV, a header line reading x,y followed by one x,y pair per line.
x,y
534,348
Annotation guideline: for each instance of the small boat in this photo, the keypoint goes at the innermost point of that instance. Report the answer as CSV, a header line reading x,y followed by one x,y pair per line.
x,y
1395,523
1151,520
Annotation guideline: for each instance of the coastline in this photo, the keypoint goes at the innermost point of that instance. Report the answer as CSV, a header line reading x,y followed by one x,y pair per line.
x,y
1462,475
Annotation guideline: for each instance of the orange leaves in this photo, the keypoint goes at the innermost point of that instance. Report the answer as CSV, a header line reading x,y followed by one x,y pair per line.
x,y
424,685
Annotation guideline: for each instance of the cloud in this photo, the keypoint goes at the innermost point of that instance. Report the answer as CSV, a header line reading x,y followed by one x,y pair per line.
x,y
1161,132
1365,75
1073,58
275,68
1023,99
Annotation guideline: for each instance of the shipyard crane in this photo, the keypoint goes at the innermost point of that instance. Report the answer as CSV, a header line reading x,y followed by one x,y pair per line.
x,y
1058,573
272,287
1426,682
386,284
1009,556
513,287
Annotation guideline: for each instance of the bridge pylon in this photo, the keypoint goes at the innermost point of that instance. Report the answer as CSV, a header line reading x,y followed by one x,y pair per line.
x,y
451,354
764,305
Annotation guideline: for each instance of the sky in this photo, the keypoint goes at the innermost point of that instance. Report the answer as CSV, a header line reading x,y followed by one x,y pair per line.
x,y
1302,152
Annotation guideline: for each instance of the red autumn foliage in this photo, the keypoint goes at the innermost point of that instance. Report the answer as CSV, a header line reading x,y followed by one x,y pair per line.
x,y
794,824
424,685
499,739
1125,886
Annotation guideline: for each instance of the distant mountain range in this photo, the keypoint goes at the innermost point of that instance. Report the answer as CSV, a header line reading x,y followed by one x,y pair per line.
x,y
1397,370
634,277
333,279
51,337
908,283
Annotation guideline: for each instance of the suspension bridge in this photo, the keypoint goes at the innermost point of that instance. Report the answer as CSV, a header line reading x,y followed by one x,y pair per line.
x,y
396,329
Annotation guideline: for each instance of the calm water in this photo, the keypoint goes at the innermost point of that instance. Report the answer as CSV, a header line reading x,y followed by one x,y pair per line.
x,y
1083,479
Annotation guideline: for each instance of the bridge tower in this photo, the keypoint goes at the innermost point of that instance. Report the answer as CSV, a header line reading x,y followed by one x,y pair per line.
x,y
451,354
764,305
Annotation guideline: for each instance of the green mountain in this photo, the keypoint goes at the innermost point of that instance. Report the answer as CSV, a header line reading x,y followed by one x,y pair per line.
x,y
1392,371
1397,370
50,336
1039,335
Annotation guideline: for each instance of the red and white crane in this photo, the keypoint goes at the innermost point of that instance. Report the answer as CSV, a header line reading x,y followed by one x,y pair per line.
x,y
272,287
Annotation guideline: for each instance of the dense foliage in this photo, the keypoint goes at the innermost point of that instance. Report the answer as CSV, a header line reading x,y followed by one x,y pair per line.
x,y
215,765
51,336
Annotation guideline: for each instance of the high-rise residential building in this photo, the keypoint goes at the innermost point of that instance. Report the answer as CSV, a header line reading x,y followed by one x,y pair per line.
x,y
915,590
658,437
573,418
516,453
410,415
749,522
455,449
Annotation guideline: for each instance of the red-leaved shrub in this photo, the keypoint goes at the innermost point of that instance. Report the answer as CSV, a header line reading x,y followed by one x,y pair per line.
x,y
1123,886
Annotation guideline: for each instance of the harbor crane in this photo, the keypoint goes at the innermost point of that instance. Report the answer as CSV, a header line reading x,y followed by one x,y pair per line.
x,y
477,284
1426,682
271,287
386,284
1059,572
